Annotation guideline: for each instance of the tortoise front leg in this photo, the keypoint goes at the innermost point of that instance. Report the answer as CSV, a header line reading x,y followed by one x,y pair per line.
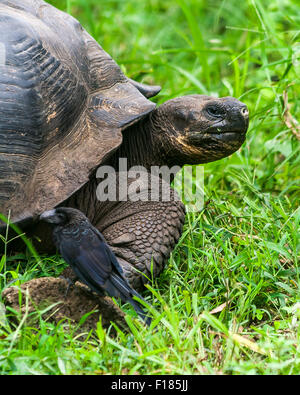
x,y
142,235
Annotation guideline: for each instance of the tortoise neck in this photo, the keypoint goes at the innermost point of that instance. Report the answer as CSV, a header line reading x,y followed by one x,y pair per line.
x,y
140,146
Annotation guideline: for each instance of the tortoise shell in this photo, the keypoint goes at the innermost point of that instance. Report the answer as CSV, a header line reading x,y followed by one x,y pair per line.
x,y
63,102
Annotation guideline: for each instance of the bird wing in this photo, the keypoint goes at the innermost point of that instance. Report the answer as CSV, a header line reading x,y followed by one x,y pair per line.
x,y
113,258
96,265
89,256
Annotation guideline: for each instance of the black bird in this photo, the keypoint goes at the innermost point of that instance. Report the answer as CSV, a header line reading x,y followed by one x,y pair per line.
x,y
83,247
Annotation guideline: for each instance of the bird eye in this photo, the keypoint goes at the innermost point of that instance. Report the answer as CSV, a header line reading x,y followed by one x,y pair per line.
x,y
61,217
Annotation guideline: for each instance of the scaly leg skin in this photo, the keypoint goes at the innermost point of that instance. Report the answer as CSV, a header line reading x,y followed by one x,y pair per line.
x,y
142,234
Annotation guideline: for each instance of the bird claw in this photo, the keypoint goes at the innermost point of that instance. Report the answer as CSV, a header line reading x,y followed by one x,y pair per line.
x,y
71,283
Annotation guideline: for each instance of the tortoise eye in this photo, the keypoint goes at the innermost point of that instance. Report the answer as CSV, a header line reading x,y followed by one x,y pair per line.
x,y
215,111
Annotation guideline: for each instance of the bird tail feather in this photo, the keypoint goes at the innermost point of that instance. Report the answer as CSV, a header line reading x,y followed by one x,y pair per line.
x,y
126,294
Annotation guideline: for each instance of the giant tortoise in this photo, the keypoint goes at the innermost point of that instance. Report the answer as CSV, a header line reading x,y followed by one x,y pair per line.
x,y
67,108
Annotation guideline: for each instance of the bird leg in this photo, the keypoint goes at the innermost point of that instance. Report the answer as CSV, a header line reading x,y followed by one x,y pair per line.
x,y
69,276
71,283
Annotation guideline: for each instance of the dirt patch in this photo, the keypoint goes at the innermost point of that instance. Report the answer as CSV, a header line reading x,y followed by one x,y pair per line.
x,y
40,293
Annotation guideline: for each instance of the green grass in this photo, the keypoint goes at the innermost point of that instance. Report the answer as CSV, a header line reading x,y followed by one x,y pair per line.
x,y
228,302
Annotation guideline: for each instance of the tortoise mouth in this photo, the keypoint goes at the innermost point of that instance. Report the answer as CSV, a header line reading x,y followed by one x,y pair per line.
x,y
234,127
229,135
224,136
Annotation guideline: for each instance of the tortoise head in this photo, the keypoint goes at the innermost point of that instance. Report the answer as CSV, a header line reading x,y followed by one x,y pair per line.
x,y
199,129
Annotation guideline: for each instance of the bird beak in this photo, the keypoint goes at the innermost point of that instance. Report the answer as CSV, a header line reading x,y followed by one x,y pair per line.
x,y
49,216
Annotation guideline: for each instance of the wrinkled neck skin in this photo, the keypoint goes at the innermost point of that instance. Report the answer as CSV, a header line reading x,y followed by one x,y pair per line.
x,y
143,146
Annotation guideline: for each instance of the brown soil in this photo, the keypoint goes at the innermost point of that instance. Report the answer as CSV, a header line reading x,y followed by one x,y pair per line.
x,y
40,293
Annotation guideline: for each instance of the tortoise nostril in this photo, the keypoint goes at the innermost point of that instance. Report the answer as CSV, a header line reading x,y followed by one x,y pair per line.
x,y
245,111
